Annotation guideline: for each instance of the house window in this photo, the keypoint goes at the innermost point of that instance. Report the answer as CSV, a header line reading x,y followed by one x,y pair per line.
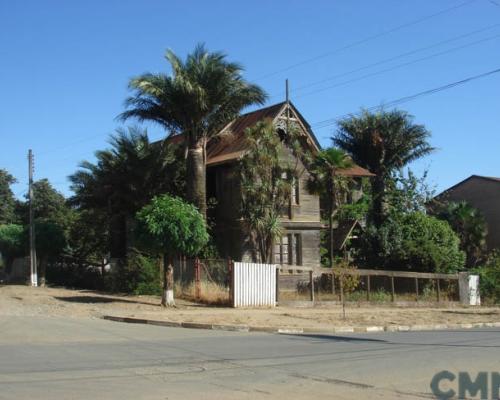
x,y
288,249
282,253
297,248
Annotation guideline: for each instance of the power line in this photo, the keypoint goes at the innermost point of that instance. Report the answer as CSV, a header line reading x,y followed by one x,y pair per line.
x,y
400,66
365,40
401,55
356,43
69,145
331,121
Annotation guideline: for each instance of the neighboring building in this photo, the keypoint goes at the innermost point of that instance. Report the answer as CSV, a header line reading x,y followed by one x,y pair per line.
x,y
300,244
483,193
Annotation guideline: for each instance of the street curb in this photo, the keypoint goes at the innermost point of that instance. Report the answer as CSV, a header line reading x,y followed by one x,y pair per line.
x,y
290,330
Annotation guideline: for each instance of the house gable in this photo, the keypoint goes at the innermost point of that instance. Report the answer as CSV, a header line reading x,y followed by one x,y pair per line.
x,y
483,193
230,144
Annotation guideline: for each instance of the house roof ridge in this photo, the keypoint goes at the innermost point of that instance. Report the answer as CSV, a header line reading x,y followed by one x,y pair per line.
x,y
488,178
493,178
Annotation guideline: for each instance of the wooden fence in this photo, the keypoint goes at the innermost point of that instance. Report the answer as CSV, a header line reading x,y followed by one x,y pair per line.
x,y
253,285
367,274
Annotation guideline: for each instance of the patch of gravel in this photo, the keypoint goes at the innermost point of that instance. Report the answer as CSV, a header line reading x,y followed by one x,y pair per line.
x,y
19,300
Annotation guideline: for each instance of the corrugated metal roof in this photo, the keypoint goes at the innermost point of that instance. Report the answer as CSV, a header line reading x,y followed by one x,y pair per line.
x,y
355,171
231,144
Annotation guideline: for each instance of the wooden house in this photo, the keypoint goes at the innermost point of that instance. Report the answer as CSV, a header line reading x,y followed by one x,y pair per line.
x,y
300,244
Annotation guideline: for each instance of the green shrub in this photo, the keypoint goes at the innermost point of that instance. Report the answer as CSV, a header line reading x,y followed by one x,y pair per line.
x,y
74,275
138,275
11,244
413,241
489,278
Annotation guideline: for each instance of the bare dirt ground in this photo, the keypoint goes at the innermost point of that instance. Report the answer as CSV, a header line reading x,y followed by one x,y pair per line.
x,y
26,301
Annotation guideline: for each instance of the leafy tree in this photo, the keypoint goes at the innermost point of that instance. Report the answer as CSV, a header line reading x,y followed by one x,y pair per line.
x,y
267,173
50,244
489,277
138,275
408,192
88,237
413,241
202,95
172,227
349,280
383,143
11,243
124,179
7,200
49,205
331,185
470,226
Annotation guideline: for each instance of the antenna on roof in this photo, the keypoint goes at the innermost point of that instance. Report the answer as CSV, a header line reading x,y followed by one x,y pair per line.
x,y
286,91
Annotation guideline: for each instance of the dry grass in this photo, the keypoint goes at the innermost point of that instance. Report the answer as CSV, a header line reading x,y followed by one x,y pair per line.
x,y
210,293
379,296
22,300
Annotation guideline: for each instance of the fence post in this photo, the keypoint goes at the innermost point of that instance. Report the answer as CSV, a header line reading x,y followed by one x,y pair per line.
x,y
416,289
277,284
230,278
393,294
341,282
438,290
333,282
368,287
197,279
311,279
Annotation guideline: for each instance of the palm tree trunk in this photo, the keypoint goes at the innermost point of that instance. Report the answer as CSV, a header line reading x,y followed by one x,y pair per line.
x,y
331,205
378,190
196,176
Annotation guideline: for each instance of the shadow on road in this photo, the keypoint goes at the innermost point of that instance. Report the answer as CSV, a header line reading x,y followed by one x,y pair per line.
x,y
334,338
461,343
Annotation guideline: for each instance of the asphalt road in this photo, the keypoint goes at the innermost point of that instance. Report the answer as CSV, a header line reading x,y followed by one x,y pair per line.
x,y
57,358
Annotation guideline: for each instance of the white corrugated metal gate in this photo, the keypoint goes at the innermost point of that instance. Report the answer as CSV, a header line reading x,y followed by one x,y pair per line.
x,y
254,285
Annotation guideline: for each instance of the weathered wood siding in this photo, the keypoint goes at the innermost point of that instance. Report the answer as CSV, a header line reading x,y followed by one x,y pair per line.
x,y
232,240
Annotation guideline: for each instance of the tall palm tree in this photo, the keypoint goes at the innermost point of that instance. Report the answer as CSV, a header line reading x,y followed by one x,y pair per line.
x,y
382,142
470,226
200,96
326,181
124,179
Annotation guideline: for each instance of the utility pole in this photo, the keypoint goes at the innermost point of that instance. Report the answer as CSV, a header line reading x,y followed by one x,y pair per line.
x,y
33,269
286,91
287,128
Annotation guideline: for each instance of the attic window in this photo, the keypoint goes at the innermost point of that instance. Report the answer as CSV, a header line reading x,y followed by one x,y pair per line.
x,y
282,134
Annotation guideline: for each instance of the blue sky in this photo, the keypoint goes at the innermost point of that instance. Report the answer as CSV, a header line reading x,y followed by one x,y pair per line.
x,y
65,67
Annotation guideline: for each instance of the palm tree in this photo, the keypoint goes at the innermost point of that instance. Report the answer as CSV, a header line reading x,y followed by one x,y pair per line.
x,y
470,226
200,96
125,178
382,142
326,182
